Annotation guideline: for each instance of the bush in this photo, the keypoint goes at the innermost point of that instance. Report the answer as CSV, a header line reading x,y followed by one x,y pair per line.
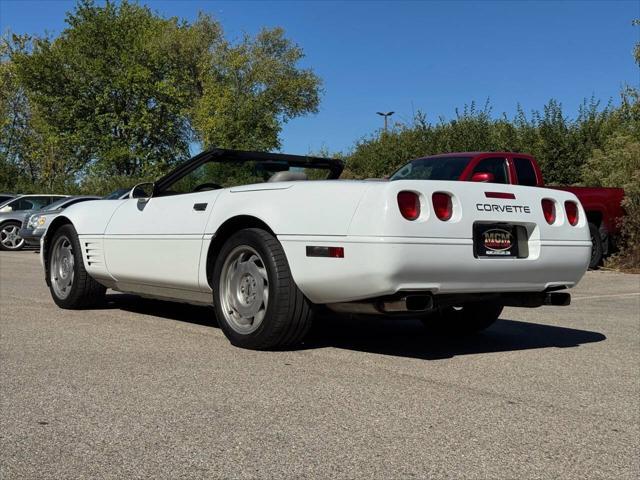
x,y
617,164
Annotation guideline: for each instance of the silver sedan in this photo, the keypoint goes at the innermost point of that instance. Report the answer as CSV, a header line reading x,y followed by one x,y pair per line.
x,y
12,214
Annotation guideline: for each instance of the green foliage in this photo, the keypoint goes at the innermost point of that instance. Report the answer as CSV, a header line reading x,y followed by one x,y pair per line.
x,y
618,165
561,145
123,92
254,88
16,128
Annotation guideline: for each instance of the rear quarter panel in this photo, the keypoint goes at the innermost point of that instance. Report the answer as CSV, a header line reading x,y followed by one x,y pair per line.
x,y
293,208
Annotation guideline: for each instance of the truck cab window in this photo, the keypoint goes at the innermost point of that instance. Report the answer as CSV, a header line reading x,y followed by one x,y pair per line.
x,y
495,166
525,171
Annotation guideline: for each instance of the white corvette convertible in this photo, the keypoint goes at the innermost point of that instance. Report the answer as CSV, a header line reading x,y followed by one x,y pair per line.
x,y
252,235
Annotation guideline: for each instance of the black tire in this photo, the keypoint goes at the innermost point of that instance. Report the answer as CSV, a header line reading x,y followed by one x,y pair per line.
x,y
288,314
597,249
469,318
84,291
18,243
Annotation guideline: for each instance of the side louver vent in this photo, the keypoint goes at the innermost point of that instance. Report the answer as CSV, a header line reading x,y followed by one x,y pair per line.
x,y
93,253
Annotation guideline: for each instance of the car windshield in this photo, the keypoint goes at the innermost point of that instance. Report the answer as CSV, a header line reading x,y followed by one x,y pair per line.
x,y
57,204
27,203
432,168
115,195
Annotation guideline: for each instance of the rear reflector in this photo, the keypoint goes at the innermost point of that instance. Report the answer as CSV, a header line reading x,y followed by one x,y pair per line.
x,y
549,210
572,212
409,205
442,205
330,252
500,195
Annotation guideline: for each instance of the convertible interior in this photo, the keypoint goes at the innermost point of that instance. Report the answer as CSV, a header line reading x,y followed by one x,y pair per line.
x,y
216,169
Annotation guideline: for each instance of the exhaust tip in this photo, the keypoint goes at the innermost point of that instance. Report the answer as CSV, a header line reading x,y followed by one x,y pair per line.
x,y
409,303
419,303
558,299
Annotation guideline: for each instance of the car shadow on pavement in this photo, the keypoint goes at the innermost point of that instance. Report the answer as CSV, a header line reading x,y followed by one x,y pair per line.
x,y
387,336
409,338
182,312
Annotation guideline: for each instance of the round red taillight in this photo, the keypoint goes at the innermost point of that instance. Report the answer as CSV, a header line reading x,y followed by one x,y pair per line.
x,y
572,212
409,205
442,205
549,210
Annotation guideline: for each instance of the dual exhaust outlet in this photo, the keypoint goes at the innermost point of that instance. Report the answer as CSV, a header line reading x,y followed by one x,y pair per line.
x,y
417,302
405,303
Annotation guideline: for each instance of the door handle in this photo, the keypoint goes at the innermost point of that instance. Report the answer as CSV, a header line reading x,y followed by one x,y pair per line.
x,y
200,207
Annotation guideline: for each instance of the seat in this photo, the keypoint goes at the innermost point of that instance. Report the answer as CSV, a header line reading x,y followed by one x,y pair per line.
x,y
288,177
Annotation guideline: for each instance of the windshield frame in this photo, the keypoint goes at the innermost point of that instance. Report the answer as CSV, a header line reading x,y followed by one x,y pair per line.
x,y
332,166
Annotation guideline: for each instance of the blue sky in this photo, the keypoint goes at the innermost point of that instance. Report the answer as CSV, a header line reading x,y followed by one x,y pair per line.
x,y
409,56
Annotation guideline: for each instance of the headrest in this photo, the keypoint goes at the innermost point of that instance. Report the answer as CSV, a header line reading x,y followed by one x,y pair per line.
x,y
287,177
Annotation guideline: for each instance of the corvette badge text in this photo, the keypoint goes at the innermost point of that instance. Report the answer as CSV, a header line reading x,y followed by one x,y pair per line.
x,y
491,207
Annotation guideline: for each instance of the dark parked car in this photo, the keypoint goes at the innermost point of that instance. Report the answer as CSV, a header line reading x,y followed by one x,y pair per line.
x,y
12,214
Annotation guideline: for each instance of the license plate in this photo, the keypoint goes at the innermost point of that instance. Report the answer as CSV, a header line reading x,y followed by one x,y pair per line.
x,y
495,240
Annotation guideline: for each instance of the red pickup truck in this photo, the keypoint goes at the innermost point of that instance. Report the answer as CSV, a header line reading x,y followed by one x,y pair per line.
x,y
602,205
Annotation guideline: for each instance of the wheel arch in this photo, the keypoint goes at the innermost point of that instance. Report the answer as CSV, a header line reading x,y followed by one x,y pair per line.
x,y
225,231
595,217
10,220
57,222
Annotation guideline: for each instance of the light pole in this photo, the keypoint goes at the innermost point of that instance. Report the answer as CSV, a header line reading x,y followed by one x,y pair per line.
x,y
385,115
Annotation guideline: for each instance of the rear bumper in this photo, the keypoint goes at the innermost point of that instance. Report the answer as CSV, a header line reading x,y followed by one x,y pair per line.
x,y
378,266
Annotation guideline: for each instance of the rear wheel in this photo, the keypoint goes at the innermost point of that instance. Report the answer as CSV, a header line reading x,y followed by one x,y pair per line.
x,y
9,238
257,303
468,318
70,285
597,250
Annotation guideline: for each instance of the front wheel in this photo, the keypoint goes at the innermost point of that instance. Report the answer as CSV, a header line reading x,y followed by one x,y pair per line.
x,y
9,238
70,285
468,318
257,303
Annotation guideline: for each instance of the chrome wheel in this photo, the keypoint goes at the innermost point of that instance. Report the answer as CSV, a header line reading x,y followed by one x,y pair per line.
x,y
244,289
9,237
62,267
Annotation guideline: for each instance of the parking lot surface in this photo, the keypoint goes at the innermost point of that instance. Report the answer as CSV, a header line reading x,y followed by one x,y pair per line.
x,y
150,389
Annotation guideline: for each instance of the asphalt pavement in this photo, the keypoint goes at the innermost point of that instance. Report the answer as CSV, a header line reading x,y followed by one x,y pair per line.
x,y
150,389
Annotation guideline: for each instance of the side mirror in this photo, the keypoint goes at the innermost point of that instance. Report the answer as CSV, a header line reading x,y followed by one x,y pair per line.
x,y
483,177
143,191
6,209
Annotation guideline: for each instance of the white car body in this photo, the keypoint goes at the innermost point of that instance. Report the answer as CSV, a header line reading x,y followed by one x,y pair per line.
x,y
161,247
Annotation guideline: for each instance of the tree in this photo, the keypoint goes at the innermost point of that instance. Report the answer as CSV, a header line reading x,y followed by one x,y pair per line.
x,y
106,93
122,93
15,117
252,89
